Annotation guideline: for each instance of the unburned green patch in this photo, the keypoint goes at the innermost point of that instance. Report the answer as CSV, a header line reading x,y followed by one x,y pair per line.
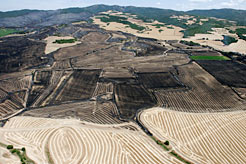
x,y
62,41
209,58
5,31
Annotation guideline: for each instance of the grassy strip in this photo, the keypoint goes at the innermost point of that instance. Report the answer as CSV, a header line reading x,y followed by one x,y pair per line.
x,y
123,20
62,41
209,58
160,143
179,157
47,152
3,145
5,32
164,146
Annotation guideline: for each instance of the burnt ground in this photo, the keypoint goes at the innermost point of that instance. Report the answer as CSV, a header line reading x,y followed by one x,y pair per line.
x,y
159,80
131,97
203,53
18,53
80,86
40,83
228,73
144,48
111,78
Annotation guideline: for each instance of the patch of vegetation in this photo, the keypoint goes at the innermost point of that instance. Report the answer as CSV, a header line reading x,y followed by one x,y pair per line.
x,y
170,27
123,20
158,25
166,143
241,32
5,31
179,157
16,13
161,30
190,43
21,153
209,58
63,41
160,143
207,26
230,14
10,147
228,40
164,146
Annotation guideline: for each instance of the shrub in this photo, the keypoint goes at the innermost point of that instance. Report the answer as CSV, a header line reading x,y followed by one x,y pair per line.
x,y
13,151
10,147
166,143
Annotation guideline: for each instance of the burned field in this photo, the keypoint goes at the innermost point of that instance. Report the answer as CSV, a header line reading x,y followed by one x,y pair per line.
x,y
17,53
159,80
144,48
228,73
79,86
203,53
131,97
114,78
41,82
90,111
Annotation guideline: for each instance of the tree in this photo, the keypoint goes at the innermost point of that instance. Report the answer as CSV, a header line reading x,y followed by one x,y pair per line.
x,y
166,143
10,147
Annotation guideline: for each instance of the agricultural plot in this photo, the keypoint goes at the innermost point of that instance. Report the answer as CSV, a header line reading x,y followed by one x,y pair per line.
x,y
209,58
228,73
9,107
20,53
103,89
203,53
131,97
98,112
204,138
80,86
13,95
144,48
41,82
202,94
72,141
159,80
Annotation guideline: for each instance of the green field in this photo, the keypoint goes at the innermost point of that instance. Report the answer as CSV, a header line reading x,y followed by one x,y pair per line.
x,y
209,58
62,41
4,32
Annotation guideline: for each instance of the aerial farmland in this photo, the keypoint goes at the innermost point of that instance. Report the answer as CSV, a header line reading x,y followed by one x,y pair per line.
x,y
120,87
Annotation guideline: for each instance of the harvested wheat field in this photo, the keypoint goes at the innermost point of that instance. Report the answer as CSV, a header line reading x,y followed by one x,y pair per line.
x,y
217,138
165,32
51,46
72,141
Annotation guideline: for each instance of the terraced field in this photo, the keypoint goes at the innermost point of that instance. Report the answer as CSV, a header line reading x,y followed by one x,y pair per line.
x,y
217,138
